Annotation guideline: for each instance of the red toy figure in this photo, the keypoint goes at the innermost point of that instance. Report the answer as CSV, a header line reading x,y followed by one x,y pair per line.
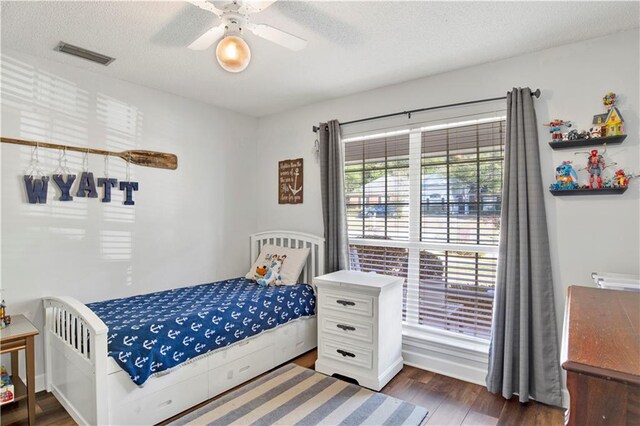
x,y
595,166
621,179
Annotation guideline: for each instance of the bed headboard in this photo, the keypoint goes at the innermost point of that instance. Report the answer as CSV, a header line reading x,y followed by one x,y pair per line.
x,y
315,261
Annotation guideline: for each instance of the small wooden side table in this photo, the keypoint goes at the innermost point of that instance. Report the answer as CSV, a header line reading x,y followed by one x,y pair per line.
x,y
17,336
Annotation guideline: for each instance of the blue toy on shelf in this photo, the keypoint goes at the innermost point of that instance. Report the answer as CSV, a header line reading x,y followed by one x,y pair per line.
x,y
566,177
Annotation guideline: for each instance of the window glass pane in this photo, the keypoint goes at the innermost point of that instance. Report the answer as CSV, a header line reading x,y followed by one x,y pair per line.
x,y
490,200
355,223
456,291
384,260
377,188
392,261
461,184
353,184
353,167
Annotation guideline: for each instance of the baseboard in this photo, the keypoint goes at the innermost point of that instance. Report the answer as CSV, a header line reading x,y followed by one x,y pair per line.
x,y
40,383
458,367
39,380
462,364
390,372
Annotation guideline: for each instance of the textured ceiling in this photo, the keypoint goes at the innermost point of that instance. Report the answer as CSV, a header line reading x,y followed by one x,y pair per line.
x,y
353,46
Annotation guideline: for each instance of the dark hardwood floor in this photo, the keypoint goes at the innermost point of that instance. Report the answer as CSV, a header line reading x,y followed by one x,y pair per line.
x,y
449,401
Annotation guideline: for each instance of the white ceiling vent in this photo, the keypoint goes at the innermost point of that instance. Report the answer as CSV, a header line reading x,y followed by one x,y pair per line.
x,y
84,53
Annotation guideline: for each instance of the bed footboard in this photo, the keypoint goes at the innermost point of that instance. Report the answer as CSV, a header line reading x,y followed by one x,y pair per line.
x,y
75,341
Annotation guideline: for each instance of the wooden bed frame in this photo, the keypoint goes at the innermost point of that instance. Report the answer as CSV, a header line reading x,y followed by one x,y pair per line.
x,y
95,390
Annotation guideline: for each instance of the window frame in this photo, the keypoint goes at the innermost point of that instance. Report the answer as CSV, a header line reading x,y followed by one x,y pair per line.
x,y
415,245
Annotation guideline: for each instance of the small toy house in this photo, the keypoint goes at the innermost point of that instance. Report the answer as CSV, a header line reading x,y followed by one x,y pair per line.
x,y
598,130
614,124
599,119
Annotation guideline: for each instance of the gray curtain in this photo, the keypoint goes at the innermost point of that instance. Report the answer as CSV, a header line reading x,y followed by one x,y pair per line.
x,y
524,355
333,202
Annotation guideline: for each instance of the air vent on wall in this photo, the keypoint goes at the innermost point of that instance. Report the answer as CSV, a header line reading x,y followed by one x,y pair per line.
x,y
84,53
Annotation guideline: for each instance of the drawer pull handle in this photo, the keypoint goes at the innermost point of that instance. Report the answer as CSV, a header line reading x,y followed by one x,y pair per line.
x,y
345,353
345,302
346,327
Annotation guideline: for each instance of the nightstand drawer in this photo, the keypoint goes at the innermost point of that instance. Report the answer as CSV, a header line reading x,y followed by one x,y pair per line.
x,y
347,303
346,353
347,328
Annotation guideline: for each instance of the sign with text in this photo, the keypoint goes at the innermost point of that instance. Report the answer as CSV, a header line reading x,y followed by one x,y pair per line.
x,y
290,179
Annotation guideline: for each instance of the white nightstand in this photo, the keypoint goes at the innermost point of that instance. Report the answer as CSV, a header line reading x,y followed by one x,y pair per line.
x,y
360,326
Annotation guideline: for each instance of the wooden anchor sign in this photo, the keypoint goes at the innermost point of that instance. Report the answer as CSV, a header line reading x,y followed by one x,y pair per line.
x,y
290,181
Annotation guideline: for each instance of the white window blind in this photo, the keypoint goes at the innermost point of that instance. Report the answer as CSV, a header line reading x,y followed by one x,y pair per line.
x,y
425,205
377,188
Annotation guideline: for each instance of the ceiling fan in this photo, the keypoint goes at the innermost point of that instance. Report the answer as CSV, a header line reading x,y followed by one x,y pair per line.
x,y
233,53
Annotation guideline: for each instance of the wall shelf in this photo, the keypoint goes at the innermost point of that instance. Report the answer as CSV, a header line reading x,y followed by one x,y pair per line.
x,y
588,191
577,143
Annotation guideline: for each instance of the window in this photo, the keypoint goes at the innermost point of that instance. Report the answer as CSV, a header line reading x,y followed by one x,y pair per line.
x,y
425,205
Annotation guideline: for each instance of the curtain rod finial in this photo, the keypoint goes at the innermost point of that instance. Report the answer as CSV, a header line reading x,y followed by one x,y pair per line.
x,y
536,93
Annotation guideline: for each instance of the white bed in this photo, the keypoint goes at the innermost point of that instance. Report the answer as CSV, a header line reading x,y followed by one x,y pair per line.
x,y
95,390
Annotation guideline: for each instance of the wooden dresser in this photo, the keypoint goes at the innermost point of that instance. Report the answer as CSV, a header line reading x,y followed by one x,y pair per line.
x,y
360,326
601,354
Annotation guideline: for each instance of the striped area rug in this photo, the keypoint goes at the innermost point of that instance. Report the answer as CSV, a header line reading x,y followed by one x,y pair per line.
x,y
293,395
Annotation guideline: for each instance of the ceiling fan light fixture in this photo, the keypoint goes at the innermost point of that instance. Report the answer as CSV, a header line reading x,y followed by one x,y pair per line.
x,y
233,53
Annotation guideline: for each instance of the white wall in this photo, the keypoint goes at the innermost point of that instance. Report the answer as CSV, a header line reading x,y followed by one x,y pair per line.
x,y
590,233
188,226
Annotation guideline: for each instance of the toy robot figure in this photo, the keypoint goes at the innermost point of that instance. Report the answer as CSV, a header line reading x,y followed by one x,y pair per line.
x,y
555,128
595,166
566,177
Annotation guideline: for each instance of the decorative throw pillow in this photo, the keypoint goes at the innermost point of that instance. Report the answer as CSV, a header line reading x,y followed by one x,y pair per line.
x,y
290,261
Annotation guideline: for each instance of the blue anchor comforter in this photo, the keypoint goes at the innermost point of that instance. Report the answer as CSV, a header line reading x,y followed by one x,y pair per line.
x,y
154,332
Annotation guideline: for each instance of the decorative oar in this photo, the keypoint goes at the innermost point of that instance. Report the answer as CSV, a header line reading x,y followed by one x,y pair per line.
x,y
160,160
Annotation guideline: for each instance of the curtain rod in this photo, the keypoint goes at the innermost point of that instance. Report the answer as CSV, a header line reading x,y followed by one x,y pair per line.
x,y
536,93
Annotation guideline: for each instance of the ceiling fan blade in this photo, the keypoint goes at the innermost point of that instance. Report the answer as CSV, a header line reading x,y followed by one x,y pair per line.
x,y
278,36
255,6
207,39
205,5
